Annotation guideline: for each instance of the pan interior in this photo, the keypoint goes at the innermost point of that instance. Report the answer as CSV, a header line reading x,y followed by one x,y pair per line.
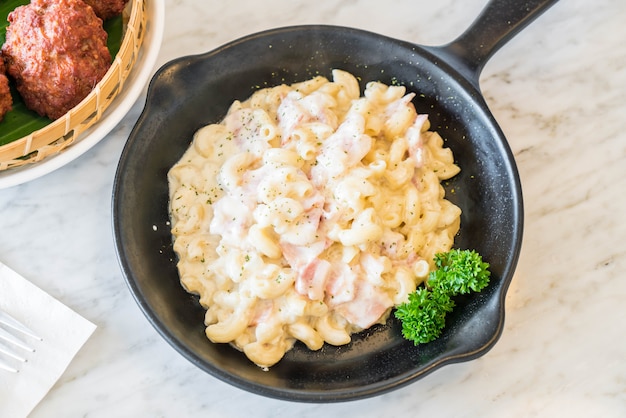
x,y
191,92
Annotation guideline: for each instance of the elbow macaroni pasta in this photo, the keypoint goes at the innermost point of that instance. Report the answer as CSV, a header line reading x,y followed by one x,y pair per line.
x,y
309,212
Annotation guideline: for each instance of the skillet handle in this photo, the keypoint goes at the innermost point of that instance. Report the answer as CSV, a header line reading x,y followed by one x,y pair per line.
x,y
498,22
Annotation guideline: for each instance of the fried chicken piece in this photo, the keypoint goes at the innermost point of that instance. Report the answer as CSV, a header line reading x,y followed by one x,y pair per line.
x,y
6,101
56,51
106,9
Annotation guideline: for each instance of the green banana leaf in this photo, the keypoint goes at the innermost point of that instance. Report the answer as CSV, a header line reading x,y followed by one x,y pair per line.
x,y
21,121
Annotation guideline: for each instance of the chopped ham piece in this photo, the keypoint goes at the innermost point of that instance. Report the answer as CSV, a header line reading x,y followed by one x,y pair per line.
x,y
367,307
262,312
340,287
312,279
299,257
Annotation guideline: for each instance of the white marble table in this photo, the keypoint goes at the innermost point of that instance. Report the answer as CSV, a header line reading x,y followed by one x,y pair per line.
x,y
558,91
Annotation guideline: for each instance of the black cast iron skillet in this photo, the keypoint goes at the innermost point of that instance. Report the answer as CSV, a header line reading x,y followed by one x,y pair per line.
x,y
194,91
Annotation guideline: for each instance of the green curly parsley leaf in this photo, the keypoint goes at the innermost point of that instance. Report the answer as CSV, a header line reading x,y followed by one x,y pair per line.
x,y
459,272
423,316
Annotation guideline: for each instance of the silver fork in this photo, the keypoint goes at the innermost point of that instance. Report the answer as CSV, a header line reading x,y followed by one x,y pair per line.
x,y
16,346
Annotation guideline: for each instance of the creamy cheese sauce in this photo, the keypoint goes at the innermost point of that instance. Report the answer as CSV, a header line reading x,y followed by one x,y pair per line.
x,y
309,212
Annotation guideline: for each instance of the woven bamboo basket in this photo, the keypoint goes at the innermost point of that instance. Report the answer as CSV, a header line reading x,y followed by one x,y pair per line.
x,y
67,130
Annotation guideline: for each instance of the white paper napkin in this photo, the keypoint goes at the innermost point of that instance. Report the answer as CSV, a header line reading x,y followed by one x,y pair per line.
x,y
63,333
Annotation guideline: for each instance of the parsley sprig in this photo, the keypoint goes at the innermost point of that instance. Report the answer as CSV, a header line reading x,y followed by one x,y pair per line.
x,y
457,272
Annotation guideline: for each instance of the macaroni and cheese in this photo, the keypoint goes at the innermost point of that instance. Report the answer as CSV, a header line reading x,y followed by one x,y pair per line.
x,y
309,212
